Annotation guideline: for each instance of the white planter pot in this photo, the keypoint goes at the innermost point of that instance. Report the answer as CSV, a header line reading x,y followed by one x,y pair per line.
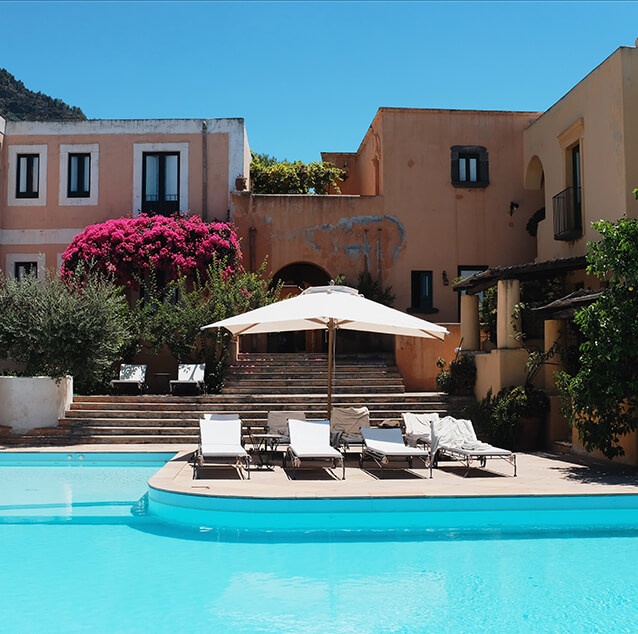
x,y
30,402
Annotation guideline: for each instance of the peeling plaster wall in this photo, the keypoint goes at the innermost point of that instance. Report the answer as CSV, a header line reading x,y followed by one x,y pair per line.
x,y
336,233
419,221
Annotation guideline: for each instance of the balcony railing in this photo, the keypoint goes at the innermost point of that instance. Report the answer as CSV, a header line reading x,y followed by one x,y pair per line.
x,y
567,215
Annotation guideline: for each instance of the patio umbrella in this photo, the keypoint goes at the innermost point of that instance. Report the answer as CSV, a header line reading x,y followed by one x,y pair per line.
x,y
330,308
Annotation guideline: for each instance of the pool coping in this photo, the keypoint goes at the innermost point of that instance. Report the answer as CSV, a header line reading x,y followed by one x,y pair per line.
x,y
540,474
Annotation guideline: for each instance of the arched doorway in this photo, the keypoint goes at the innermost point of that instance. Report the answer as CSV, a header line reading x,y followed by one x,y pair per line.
x,y
296,277
301,275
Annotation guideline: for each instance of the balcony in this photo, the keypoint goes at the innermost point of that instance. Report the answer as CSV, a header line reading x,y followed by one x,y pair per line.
x,y
568,224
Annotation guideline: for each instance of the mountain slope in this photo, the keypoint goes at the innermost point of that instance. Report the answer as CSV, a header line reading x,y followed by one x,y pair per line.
x,y
18,103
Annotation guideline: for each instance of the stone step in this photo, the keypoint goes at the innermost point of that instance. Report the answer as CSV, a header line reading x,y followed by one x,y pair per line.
x,y
353,381
355,357
310,375
309,389
193,412
185,401
249,418
120,439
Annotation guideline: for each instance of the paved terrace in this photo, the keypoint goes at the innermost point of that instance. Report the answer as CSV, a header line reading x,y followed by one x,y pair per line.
x,y
538,474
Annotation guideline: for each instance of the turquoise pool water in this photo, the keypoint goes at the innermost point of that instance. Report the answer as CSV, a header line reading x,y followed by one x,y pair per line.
x,y
110,571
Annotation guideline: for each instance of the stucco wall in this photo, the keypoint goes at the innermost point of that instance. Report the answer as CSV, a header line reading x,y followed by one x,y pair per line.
x,y
51,222
601,112
328,231
498,369
31,402
416,358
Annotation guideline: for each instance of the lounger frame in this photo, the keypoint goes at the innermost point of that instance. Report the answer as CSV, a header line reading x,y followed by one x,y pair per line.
x,y
468,457
137,378
197,381
379,456
200,460
318,456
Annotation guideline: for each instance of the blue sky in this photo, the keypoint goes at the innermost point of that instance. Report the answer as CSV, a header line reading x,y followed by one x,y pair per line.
x,y
307,76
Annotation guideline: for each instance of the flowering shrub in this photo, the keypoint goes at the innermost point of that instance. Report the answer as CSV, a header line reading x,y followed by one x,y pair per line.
x,y
131,249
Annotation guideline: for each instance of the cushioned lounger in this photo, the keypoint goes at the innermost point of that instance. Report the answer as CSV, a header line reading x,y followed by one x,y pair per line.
x,y
310,440
385,445
221,442
132,377
457,439
190,376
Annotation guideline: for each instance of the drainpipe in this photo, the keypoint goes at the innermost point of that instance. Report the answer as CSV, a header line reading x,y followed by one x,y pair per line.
x,y
204,170
252,256
366,254
379,274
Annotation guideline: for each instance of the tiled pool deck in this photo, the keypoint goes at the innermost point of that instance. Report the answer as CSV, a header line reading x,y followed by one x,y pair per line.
x,y
538,474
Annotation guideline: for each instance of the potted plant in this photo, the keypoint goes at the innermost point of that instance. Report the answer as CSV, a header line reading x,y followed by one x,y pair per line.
x,y
459,377
240,183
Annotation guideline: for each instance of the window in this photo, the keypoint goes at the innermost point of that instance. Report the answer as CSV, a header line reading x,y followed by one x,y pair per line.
x,y
28,176
469,166
79,176
422,291
22,269
568,221
160,182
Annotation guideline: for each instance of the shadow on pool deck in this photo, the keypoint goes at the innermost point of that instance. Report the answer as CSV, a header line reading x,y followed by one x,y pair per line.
x,y
586,470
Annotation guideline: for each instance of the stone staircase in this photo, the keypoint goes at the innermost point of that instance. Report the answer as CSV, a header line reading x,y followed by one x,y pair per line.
x,y
254,385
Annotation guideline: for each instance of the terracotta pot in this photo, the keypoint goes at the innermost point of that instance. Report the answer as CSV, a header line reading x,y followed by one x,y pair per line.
x,y
240,183
531,433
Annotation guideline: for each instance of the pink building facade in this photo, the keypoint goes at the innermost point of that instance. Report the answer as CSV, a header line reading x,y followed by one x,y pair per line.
x,y
56,178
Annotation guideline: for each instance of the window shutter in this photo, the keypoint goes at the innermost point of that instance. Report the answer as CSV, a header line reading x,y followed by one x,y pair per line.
x,y
455,166
484,168
416,295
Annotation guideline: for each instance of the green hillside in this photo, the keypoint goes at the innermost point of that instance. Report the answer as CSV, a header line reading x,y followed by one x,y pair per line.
x,y
18,103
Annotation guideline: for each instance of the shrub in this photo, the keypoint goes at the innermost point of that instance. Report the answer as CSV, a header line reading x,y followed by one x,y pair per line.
x,y
269,176
173,316
499,416
64,327
130,250
459,377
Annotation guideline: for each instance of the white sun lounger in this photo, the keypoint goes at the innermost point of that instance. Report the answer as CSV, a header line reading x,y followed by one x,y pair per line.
x,y
220,442
457,439
417,427
385,445
310,440
190,375
346,424
131,377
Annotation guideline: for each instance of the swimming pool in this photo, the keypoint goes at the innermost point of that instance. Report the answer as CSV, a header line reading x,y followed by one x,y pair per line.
x,y
110,571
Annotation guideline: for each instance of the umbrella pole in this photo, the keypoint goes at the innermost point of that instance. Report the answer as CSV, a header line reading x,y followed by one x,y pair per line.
x,y
330,364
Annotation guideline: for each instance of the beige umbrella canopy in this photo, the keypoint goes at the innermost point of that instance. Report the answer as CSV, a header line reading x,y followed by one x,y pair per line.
x,y
330,308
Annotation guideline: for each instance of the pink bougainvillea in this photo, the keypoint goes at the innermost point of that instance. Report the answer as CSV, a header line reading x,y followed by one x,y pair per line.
x,y
130,249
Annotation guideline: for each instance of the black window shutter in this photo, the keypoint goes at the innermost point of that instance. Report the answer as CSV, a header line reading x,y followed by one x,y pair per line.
x,y
455,166
484,168
416,293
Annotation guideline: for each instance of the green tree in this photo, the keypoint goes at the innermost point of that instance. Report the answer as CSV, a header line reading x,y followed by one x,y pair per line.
x,y
61,327
600,399
269,176
173,315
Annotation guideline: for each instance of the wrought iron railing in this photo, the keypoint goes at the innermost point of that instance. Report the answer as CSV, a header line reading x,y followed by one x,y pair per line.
x,y
568,223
